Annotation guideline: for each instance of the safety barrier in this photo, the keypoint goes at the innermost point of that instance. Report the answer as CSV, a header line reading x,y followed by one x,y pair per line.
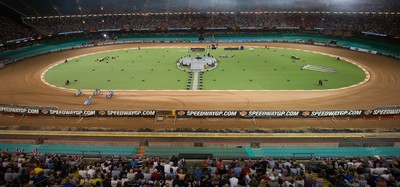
x,y
54,111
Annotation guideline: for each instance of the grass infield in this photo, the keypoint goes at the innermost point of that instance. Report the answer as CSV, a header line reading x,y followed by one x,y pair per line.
x,y
248,69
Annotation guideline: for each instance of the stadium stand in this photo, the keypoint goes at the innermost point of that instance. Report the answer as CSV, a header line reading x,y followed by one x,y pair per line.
x,y
10,29
39,169
68,165
41,19
43,7
219,153
331,22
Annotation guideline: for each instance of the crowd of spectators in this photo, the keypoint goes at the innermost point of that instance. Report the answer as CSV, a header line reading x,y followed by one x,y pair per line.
x,y
333,24
378,23
10,29
35,169
89,15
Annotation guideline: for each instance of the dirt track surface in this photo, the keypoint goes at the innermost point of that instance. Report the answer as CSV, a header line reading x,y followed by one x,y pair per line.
x,y
21,84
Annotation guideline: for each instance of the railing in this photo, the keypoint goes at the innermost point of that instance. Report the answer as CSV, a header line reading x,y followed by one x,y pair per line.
x,y
310,154
98,153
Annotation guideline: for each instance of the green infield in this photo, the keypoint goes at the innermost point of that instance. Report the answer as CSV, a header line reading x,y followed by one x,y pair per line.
x,y
248,69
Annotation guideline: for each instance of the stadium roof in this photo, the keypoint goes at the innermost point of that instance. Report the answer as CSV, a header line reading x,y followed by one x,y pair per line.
x,y
71,7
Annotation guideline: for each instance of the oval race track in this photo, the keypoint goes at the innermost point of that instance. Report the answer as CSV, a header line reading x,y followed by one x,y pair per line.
x,y
21,84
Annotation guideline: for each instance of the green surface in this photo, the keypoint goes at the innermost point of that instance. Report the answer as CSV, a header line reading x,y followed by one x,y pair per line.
x,y
155,69
274,69
146,69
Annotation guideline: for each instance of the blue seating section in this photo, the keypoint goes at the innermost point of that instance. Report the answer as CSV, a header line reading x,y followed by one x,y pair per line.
x,y
74,149
324,152
216,152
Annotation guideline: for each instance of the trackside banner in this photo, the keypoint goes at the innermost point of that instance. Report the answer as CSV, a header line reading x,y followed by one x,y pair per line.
x,y
270,114
126,113
236,114
206,113
54,111
100,113
331,113
382,112
85,113
19,109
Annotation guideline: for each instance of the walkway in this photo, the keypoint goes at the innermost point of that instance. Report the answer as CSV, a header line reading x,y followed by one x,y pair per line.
x,y
195,80
221,152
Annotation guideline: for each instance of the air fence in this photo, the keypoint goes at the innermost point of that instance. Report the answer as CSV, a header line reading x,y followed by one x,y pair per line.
x,y
249,114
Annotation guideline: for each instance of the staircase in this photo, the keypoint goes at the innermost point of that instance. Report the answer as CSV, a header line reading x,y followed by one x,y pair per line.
x,y
141,151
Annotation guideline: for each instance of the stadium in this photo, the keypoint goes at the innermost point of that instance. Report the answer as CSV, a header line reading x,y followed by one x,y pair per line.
x,y
200,93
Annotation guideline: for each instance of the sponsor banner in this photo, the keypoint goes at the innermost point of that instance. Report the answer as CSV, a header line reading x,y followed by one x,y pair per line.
x,y
287,28
126,113
331,113
269,114
215,28
105,30
389,111
319,43
373,33
19,40
238,114
19,109
130,42
251,28
363,50
53,112
71,32
144,29
206,113
179,29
